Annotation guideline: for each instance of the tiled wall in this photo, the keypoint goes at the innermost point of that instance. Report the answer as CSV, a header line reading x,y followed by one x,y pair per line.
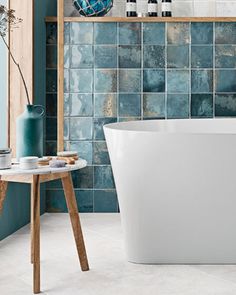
x,y
125,71
180,8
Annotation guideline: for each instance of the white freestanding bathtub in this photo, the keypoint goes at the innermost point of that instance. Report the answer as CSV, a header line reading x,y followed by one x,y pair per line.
x,y
176,185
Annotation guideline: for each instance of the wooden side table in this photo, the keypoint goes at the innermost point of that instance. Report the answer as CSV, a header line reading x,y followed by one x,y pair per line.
x,y
34,178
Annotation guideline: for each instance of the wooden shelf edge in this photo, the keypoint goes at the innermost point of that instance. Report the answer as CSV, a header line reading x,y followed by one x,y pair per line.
x,y
142,19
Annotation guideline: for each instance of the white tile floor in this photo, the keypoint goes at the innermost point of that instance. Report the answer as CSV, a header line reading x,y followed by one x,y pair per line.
x,y
109,274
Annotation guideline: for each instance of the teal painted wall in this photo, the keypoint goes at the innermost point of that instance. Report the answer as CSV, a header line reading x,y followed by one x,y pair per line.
x,y
16,211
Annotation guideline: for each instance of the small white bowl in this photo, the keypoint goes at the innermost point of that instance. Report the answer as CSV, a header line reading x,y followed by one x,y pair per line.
x,y
28,163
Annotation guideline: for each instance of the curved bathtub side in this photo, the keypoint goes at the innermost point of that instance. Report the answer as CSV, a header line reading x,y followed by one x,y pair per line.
x,y
176,194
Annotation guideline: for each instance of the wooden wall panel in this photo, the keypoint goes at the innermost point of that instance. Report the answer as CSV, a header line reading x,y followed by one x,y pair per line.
x,y
21,43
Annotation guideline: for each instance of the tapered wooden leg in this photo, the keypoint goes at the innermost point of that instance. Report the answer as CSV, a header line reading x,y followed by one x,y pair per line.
x,y
75,221
31,224
3,191
35,232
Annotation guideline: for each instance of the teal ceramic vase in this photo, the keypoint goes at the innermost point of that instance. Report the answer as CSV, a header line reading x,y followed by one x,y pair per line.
x,y
29,132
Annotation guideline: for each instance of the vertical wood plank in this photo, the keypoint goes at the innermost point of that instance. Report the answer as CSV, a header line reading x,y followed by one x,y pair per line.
x,y
75,220
35,197
3,191
60,75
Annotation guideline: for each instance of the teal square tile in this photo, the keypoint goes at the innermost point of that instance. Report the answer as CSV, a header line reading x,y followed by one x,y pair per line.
x,y
81,128
81,33
105,33
55,201
66,128
67,54
178,33
100,153
128,119
129,105
54,184
50,148
81,105
225,105
202,33
51,33
98,127
105,105
202,56
129,80
154,105
178,81
201,81
225,56
84,149
153,56
66,81
83,178
105,201
153,80
177,106
178,56
103,177
129,33
51,105
66,104
105,80
225,80
129,56
51,56
225,33
66,33
154,33
84,200
202,106
81,56
51,80
105,56
51,128
81,81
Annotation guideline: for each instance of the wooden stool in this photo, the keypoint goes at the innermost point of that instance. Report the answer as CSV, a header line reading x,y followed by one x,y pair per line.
x,y
35,177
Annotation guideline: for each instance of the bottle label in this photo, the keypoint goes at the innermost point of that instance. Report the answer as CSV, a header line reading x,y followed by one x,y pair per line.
x,y
152,7
130,6
166,6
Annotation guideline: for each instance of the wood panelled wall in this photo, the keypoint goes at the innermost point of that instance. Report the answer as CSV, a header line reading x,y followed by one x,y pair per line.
x,y
21,44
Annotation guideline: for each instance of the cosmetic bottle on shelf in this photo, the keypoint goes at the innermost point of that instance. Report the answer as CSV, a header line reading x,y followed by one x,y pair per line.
x,y
131,8
152,8
166,8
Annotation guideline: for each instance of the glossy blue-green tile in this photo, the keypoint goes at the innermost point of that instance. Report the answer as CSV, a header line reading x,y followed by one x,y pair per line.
x,y
225,80
81,128
127,119
81,105
55,201
51,80
66,104
201,81
154,33
84,149
84,200
81,81
51,105
103,177
129,105
98,127
81,33
178,56
105,201
129,56
105,80
51,128
105,33
51,33
66,128
105,56
67,54
178,33
66,80
129,80
67,33
225,56
202,56
153,80
177,81
129,33
54,184
177,106
50,148
202,106
225,33
202,33
153,56
83,178
51,56
100,153
154,105
81,56
105,105
225,105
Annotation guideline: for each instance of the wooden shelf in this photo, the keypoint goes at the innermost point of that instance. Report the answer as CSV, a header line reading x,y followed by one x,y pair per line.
x,y
142,19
